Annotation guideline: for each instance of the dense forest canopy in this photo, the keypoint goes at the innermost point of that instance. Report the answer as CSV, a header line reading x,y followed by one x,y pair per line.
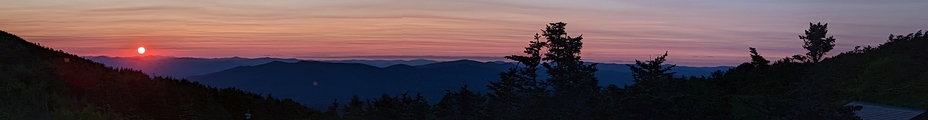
x,y
43,83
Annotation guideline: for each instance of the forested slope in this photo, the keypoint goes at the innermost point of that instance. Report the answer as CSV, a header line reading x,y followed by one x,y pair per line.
x,y
40,83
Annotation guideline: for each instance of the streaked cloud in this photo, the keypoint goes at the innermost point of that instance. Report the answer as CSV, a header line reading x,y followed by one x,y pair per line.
x,y
404,57
613,30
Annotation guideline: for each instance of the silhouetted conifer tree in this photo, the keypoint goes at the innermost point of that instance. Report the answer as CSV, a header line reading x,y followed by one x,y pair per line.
x,y
758,60
651,94
385,107
333,110
519,91
650,71
816,41
414,108
354,110
572,91
462,105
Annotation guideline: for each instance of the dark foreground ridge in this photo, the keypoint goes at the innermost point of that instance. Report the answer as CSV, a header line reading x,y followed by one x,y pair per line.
x,y
42,83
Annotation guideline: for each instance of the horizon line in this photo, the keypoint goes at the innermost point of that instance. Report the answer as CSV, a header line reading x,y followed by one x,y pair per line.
x,y
399,58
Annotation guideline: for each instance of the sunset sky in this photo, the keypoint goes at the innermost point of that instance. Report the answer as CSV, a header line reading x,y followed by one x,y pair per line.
x,y
696,33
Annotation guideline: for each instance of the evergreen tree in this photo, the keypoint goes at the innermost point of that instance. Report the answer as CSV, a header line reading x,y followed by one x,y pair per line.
x,y
463,104
568,73
571,92
575,87
445,109
652,93
647,73
611,104
756,59
816,41
333,110
385,107
354,110
414,108
519,91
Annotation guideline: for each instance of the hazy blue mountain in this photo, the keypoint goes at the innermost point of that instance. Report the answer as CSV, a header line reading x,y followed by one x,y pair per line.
x,y
183,67
385,63
340,79
180,67
343,80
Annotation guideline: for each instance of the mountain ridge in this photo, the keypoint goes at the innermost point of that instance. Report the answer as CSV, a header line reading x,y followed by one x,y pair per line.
x,y
183,67
308,81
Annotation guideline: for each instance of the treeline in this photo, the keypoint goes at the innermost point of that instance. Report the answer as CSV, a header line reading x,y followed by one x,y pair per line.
x,y
802,86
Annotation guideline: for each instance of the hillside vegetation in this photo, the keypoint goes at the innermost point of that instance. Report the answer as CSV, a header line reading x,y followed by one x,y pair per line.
x,y
42,83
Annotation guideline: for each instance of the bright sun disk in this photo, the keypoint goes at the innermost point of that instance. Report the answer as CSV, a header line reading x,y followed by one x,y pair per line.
x,y
141,50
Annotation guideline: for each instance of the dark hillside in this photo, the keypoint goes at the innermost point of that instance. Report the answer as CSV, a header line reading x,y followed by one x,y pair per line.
x,y
893,73
43,83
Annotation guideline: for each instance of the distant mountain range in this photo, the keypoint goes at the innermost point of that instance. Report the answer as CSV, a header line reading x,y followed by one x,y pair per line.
x,y
183,67
317,83
341,79
180,67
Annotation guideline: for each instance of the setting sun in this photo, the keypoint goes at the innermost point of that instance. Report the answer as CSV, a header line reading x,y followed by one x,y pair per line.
x,y
141,50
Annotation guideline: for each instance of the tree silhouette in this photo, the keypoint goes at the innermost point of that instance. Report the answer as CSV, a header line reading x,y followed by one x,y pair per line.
x,y
385,107
568,73
756,59
571,91
654,93
575,87
354,110
333,110
651,70
816,42
463,104
414,108
519,91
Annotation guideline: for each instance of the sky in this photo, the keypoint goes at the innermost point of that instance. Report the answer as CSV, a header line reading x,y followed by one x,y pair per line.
x,y
693,32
